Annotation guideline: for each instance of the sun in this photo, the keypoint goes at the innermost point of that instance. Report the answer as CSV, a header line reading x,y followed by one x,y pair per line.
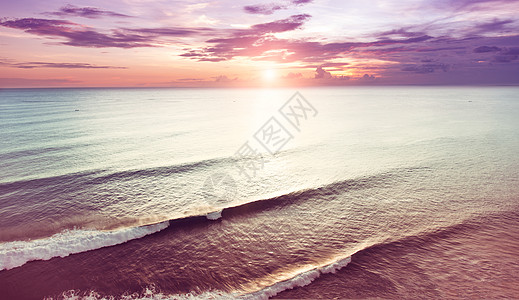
x,y
269,75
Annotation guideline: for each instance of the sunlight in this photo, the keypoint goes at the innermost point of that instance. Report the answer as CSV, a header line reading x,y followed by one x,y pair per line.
x,y
269,75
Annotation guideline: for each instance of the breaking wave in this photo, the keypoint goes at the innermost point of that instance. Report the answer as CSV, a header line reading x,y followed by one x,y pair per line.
x,y
17,253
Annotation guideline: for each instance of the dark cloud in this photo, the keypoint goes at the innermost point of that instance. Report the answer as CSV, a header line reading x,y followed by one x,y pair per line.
x,y
426,68
85,12
495,25
270,8
484,49
368,77
80,36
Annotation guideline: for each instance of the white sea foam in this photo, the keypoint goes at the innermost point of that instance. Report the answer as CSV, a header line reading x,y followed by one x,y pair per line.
x,y
301,279
17,253
149,294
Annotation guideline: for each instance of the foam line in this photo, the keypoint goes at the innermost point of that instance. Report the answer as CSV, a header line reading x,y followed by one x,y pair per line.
x,y
17,253
302,279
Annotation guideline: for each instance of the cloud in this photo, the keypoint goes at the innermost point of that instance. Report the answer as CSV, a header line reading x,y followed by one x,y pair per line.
x,y
368,77
320,73
223,78
261,47
505,58
270,8
169,31
511,51
81,36
85,12
466,5
336,65
191,79
291,75
30,82
259,43
495,25
77,35
34,65
263,9
426,68
484,49
401,32
288,24
507,55
504,55
251,42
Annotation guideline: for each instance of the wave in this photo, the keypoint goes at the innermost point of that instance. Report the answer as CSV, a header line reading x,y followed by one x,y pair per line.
x,y
251,206
100,176
302,279
149,294
305,277
17,253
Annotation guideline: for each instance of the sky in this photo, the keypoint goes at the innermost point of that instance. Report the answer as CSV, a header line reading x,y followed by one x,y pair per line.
x,y
229,43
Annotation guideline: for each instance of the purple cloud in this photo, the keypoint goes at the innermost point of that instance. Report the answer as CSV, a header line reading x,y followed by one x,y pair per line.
x,y
402,32
289,24
34,65
495,25
263,9
77,35
85,12
368,77
426,68
170,31
511,51
505,58
247,42
507,55
270,8
484,49
81,36
465,5
320,73
258,43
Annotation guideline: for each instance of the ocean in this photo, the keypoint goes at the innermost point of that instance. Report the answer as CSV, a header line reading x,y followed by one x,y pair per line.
x,y
310,193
